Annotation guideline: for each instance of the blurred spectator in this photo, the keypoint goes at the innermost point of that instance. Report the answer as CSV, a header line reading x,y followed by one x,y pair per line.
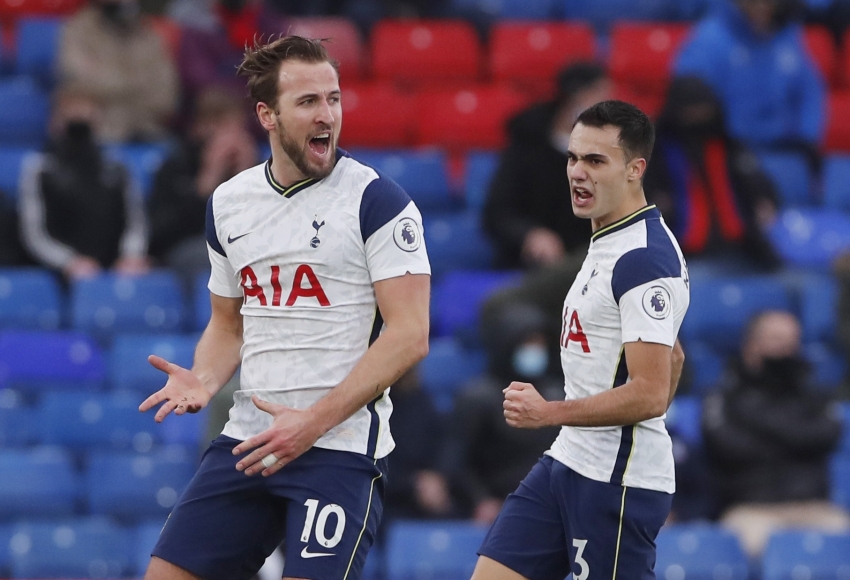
x,y
842,273
114,54
754,56
217,147
709,186
769,438
79,211
416,488
484,457
528,213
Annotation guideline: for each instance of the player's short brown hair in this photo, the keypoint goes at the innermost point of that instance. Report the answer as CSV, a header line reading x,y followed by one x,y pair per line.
x,y
261,63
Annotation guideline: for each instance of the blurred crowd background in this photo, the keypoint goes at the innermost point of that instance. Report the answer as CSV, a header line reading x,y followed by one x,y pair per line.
x,y
119,118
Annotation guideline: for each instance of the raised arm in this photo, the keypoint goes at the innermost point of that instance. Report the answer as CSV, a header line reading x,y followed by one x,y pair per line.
x,y
216,359
403,302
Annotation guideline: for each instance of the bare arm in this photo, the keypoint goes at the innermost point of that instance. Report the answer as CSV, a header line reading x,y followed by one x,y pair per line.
x,y
645,396
677,361
403,303
216,359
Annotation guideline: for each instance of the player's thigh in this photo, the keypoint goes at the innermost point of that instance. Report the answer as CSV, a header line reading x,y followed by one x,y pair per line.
x,y
225,524
333,514
159,569
487,569
611,527
528,536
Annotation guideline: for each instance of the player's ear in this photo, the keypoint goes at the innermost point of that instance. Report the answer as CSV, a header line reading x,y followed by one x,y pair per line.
x,y
636,169
266,116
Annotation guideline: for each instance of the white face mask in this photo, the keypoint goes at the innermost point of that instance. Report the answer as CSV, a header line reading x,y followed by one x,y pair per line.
x,y
560,141
531,360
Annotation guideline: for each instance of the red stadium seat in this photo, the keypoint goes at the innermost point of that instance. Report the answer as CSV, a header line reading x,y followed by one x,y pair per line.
x,y
375,115
464,119
642,54
345,44
17,8
838,122
425,50
648,102
531,54
823,51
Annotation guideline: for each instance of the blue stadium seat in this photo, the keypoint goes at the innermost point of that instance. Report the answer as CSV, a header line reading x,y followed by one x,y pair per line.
x,y
94,420
684,417
602,14
418,550
5,550
37,482
423,174
32,360
11,160
142,160
819,308
130,366
458,296
792,555
480,167
699,552
110,303
145,537
721,307
37,43
24,110
30,298
790,175
17,425
704,367
137,486
202,309
374,567
828,367
455,241
74,548
446,368
512,9
836,182
840,477
811,238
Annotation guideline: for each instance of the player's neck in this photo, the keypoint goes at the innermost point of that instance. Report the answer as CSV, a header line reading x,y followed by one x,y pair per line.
x,y
284,170
630,205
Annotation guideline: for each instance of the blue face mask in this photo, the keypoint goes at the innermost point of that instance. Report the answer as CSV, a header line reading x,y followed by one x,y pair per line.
x,y
531,360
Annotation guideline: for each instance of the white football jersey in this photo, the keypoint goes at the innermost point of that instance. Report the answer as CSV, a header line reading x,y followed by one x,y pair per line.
x,y
304,259
632,286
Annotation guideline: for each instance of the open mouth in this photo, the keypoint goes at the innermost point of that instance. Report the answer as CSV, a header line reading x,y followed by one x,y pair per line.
x,y
581,195
321,143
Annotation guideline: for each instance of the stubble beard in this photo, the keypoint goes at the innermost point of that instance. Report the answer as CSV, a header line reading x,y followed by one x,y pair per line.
x,y
298,155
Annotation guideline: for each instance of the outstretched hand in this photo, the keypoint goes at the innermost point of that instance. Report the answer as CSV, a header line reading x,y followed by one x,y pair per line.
x,y
292,433
182,393
524,407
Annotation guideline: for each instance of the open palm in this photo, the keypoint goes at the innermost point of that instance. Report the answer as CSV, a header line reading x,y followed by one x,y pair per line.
x,y
182,393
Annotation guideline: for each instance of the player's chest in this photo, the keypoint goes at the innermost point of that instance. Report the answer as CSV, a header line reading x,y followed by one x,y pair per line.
x,y
287,232
590,313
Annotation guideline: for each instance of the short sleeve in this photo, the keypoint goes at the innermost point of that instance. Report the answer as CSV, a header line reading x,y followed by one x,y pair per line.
x,y
646,312
392,231
223,280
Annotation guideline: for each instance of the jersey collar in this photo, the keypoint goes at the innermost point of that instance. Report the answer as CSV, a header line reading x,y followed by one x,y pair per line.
x,y
295,187
643,213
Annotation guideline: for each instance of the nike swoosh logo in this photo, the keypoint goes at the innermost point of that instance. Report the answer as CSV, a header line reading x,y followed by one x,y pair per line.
x,y
231,239
307,555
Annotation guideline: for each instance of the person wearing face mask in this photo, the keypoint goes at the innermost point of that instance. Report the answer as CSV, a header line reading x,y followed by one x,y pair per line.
x,y
111,50
709,186
80,212
527,214
769,438
484,458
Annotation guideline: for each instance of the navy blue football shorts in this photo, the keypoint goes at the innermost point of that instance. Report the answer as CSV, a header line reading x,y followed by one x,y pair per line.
x,y
325,507
558,522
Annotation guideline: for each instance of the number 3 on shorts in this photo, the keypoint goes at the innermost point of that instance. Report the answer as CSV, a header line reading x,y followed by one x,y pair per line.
x,y
312,507
582,563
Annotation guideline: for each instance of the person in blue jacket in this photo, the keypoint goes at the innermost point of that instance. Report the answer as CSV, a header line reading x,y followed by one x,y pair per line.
x,y
752,53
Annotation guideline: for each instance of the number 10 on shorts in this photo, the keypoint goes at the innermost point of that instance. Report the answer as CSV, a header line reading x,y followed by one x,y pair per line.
x,y
321,523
